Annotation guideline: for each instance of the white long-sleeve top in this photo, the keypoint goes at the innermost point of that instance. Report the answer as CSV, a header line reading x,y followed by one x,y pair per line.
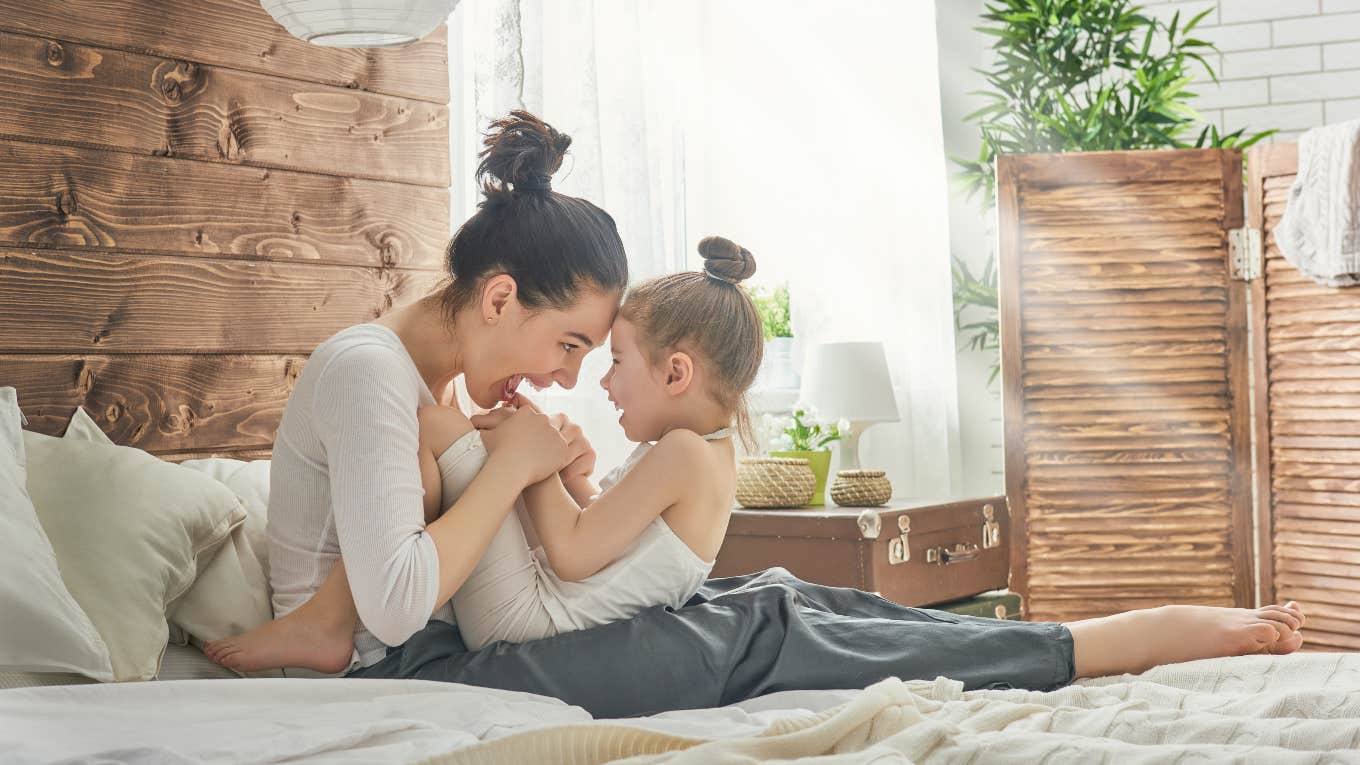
x,y
345,478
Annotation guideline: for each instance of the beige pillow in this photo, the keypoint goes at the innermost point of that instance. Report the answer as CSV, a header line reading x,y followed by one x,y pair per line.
x,y
130,532
232,594
42,628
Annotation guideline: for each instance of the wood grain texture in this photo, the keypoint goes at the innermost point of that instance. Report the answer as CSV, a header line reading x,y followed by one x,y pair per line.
x,y
238,34
1127,460
63,196
84,302
108,98
1307,372
160,403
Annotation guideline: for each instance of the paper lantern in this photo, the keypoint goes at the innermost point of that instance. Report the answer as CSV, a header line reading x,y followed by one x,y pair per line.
x,y
359,23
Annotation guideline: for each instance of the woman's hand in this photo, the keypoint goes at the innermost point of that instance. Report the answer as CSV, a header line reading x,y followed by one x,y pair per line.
x,y
581,456
582,464
526,436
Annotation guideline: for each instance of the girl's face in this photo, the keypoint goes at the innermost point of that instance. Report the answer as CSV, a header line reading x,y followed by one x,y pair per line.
x,y
634,385
543,347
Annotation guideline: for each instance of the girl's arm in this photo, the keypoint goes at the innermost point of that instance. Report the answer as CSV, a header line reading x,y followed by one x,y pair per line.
x,y
581,489
579,543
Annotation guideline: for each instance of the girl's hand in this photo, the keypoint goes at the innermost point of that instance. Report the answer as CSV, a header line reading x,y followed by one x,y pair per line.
x,y
527,437
581,456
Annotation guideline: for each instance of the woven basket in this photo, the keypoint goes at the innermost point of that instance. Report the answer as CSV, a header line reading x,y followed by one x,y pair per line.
x,y
861,488
774,482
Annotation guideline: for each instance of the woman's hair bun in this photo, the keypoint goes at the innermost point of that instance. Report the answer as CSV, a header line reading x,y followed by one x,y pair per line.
x,y
521,154
727,260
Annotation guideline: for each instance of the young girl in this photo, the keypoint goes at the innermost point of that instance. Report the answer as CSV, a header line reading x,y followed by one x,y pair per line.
x,y
685,349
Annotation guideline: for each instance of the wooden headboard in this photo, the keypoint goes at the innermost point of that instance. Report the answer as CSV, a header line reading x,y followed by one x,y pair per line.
x,y
191,200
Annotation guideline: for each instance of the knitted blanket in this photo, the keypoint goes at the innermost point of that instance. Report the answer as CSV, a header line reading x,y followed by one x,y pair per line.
x,y
1303,708
1320,230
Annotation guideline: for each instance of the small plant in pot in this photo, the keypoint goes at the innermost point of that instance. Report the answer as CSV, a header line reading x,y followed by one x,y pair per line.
x,y
807,439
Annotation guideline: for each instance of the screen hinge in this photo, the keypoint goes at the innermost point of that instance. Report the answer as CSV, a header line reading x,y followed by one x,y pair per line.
x,y
1244,252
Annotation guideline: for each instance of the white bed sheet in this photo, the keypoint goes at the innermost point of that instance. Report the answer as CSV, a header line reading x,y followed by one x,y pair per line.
x,y
384,722
1303,708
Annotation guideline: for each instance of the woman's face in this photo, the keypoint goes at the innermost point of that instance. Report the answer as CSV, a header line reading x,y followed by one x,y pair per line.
x,y
634,385
543,347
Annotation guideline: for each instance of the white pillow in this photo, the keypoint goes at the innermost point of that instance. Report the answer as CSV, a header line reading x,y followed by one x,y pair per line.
x,y
232,594
43,629
131,534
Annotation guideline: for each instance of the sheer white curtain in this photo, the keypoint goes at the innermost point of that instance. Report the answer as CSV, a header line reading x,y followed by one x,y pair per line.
x,y
809,131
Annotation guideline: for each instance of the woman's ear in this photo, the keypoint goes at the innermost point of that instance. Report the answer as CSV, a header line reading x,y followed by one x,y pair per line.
x,y
679,373
497,296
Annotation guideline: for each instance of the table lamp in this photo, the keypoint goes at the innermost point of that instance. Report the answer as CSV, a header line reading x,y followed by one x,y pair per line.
x,y
849,381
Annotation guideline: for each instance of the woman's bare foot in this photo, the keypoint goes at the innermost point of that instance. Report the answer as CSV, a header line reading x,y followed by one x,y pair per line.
x,y
297,639
1136,641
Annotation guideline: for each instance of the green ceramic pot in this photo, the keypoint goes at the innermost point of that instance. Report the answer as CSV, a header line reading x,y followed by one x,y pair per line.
x,y
820,462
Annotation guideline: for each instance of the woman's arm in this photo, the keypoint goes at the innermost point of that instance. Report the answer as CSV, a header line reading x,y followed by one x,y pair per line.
x,y
399,571
579,543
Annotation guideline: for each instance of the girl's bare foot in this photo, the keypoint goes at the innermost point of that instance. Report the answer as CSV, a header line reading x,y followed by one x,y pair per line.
x,y
1136,641
297,639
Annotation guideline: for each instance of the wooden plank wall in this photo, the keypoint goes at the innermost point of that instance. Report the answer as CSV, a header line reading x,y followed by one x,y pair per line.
x,y
1307,360
1124,353
191,199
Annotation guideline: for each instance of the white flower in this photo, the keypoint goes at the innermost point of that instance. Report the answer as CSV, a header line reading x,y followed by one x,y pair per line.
x,y
843,427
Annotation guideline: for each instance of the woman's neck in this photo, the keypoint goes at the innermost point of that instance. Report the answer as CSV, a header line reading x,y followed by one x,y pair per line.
x,y
431,344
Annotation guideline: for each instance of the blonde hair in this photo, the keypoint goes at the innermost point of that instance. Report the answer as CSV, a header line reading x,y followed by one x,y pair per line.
x,y
707,314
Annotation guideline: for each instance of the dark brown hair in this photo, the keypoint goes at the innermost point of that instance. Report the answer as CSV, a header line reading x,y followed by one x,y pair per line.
x,y
708,315
553,245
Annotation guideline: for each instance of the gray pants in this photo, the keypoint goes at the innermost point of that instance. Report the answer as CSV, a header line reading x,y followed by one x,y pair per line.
x,y
742,637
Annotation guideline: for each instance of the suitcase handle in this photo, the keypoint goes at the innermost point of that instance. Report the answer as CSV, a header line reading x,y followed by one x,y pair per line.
x,y
944,555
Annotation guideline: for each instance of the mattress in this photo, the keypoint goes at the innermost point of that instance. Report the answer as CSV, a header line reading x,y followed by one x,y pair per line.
x,y
181,662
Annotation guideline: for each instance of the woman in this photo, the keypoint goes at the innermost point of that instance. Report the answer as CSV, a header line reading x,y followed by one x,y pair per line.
x,y
537,278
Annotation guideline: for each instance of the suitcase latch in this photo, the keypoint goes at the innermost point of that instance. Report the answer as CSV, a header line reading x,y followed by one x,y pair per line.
x,y
945,555
898,549
991,530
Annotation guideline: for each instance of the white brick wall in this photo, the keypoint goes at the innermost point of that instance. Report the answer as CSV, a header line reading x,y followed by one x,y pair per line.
x,y
1284,64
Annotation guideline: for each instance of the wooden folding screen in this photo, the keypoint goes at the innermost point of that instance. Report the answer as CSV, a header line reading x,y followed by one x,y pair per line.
x,y
1306,343
1124,364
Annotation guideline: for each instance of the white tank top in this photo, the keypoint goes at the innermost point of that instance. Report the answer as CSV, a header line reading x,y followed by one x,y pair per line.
x,y
657,569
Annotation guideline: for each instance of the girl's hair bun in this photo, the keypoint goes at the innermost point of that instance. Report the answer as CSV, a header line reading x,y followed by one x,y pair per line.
x,y
726,260
521,154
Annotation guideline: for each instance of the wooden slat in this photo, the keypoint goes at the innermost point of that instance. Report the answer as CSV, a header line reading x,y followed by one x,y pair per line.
x,y
238,34
112,99
160,403
1308,391
1113,172
81,302
62,196
1121,360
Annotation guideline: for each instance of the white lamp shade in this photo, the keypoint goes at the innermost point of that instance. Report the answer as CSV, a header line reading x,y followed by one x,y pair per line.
x,y
850,381
359,23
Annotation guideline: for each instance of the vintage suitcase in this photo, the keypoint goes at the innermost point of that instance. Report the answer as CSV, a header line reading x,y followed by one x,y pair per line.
x,y
997,604
911,551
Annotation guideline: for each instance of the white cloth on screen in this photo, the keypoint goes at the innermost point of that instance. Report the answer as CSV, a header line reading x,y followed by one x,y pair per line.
x,y
1320,230
345,476
514,595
